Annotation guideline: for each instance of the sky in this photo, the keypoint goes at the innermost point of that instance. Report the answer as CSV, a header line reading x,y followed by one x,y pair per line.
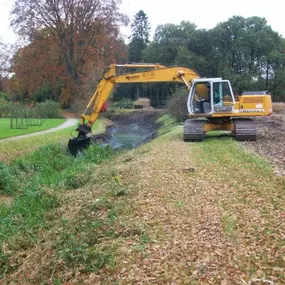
x,y
205,14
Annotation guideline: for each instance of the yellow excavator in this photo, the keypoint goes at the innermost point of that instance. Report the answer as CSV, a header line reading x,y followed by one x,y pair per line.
x,y
211,103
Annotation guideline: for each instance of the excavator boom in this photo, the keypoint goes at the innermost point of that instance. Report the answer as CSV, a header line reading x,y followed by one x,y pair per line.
x,y
150,73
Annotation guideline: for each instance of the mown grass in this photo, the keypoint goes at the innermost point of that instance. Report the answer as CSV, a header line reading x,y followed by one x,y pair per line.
x,y
250,198
12,149
165,124
7,132
225,152
87,240
34,182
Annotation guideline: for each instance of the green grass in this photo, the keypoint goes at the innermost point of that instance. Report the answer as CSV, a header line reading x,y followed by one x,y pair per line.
x,y
12,149
225,153
7,132
165,124
91,228
34,181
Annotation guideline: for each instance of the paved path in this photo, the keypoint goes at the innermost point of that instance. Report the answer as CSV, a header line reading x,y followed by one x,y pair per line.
x,y
68,123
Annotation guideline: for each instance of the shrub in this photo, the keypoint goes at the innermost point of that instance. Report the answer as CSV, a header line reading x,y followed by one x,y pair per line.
x,y
3,96
5,108
124,104
177,105
49,109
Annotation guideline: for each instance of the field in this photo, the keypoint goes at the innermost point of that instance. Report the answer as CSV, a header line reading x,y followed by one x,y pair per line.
x,y
6,131
167,212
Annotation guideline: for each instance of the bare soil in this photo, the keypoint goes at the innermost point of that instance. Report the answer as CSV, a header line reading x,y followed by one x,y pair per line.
x,y
270,141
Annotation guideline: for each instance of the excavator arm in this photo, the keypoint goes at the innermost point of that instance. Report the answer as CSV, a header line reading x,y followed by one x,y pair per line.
x,y
150,73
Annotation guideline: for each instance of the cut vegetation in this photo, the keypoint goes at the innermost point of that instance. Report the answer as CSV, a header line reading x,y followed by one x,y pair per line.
x,y
166,212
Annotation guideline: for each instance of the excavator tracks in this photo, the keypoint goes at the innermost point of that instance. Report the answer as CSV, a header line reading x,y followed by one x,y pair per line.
x,y
245,130
193,130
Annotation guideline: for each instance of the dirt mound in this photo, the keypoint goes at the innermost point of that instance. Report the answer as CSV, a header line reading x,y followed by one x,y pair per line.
x,y
270,140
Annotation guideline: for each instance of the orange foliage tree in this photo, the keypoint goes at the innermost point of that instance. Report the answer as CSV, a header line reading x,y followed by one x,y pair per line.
x,y
39,63
71,40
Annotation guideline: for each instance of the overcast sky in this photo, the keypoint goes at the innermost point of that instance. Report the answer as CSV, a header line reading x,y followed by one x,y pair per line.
x,y
205,14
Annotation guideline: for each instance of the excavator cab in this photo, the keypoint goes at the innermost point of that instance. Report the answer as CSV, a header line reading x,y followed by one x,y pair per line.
x,y
210,96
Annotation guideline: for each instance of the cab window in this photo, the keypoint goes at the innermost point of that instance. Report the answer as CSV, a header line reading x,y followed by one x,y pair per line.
x,y
222,93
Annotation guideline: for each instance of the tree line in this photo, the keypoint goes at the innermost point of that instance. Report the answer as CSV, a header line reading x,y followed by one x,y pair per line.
x,y
70,42
244,50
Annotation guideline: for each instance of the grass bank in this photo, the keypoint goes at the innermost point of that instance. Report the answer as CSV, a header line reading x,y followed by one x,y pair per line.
x,y
32,185
7,132
166,212
34,182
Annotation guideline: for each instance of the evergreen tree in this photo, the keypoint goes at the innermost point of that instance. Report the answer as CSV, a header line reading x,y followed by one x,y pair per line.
x,y
140,36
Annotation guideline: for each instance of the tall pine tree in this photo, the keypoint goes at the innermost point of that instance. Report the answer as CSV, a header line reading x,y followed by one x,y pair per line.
x,y
139,37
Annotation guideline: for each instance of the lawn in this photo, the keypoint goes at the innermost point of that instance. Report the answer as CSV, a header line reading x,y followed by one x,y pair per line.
x,y
12,149
7,132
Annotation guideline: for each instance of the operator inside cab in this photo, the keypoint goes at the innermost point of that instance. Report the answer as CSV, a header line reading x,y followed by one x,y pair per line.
x,y
216,94
207,102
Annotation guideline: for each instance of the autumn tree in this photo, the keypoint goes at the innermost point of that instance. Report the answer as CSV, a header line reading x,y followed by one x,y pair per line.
x,y
39,69
77,27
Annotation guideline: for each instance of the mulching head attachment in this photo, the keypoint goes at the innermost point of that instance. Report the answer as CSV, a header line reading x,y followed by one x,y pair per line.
x,y
77,145
81,142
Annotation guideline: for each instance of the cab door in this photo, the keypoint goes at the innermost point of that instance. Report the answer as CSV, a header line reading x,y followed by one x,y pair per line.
x,y
222,97
199,100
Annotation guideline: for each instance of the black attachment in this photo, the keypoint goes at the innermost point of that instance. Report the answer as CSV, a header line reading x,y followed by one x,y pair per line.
x,y
77,145
83,130
81,142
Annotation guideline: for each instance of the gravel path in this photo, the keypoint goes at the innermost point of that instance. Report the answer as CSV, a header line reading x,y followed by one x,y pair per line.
x,y
68,123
